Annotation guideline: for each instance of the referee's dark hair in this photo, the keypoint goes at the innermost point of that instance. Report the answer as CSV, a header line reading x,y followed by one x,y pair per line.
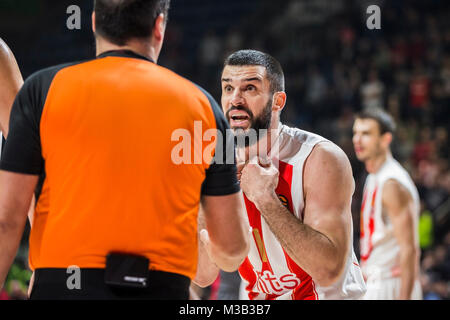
x,y
385,122
257,58
121,20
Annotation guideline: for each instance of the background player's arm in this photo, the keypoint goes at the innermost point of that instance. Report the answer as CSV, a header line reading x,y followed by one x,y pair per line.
x,y
320,243
399,205
225,240
15,198
11,81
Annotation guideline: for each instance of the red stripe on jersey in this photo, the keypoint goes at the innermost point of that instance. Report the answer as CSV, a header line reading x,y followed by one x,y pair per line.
x,y
246,272
254,218
306,290
283,189
361,223
365,256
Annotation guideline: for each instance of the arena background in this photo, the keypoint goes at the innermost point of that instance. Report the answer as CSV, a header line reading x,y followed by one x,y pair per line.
x,y
334,67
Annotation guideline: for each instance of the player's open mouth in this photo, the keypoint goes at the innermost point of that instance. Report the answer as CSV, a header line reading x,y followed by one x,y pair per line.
x,y
239,118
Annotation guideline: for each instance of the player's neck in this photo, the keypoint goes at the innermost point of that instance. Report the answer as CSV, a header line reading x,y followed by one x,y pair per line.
x,y
266,146
375,163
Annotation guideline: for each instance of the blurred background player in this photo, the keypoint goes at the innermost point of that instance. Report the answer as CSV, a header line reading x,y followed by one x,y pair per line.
x,y
298,203
389,213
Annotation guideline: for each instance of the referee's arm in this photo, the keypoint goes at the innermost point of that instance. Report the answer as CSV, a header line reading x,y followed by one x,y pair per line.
x,y
224,237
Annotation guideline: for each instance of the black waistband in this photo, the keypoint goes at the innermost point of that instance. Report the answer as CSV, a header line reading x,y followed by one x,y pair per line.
x,y
87,284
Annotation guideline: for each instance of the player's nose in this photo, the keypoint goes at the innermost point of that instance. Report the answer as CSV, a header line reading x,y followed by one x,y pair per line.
x,y
356,138
237,98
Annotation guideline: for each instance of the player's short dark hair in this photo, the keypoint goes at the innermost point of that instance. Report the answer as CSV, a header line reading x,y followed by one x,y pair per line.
x,y
257,58
385,122
121,20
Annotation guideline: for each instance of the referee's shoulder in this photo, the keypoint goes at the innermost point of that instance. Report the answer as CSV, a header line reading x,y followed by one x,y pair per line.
x,y
49,73
199,90
202,94
177,81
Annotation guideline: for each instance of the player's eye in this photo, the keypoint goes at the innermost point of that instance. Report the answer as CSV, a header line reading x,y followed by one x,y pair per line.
x,y
228,88
251,88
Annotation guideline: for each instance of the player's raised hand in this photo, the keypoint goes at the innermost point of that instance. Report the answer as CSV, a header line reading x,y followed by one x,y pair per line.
x,y
240,166
259,179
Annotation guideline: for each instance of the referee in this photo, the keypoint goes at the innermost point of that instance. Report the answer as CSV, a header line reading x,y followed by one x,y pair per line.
x,y
122,214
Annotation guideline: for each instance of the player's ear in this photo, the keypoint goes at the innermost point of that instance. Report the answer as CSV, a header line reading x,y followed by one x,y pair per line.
x,y
386,139
279,100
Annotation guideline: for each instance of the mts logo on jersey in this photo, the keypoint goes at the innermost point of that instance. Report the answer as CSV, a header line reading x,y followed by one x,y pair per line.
x,y
268,283
284,201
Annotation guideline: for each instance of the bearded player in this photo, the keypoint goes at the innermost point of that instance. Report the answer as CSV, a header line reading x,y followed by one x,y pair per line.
x,y
389,213
297,195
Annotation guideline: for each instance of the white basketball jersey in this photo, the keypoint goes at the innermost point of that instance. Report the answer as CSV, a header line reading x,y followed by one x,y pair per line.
x,y
268,272
379,247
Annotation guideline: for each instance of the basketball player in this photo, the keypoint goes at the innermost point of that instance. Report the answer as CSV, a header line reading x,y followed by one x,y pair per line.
x,y
10,83
297,201
389,213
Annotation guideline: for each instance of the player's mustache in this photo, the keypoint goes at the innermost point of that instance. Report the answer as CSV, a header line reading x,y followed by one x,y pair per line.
x,y
239,108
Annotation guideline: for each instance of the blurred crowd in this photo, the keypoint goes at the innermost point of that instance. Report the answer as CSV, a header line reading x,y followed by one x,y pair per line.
x,y
334,67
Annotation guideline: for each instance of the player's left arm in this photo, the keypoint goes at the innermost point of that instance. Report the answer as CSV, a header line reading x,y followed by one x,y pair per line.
x,y
319,244
399,205
17,191
11,81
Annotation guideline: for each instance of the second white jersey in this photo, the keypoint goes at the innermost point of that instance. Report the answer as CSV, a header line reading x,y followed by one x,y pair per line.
x,y
378,246
268,272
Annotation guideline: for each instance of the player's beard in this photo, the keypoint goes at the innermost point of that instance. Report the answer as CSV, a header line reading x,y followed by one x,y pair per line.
x,y
258,125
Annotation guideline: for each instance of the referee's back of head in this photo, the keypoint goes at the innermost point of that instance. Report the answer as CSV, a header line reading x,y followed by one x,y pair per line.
x,y
119,21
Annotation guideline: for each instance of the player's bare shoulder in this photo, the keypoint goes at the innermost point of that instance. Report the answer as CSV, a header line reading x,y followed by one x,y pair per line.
x,y
328,158
395,194
4,53
8,64
328,164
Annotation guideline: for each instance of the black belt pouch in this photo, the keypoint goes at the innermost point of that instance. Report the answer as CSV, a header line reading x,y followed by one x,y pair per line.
x,y
126,271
